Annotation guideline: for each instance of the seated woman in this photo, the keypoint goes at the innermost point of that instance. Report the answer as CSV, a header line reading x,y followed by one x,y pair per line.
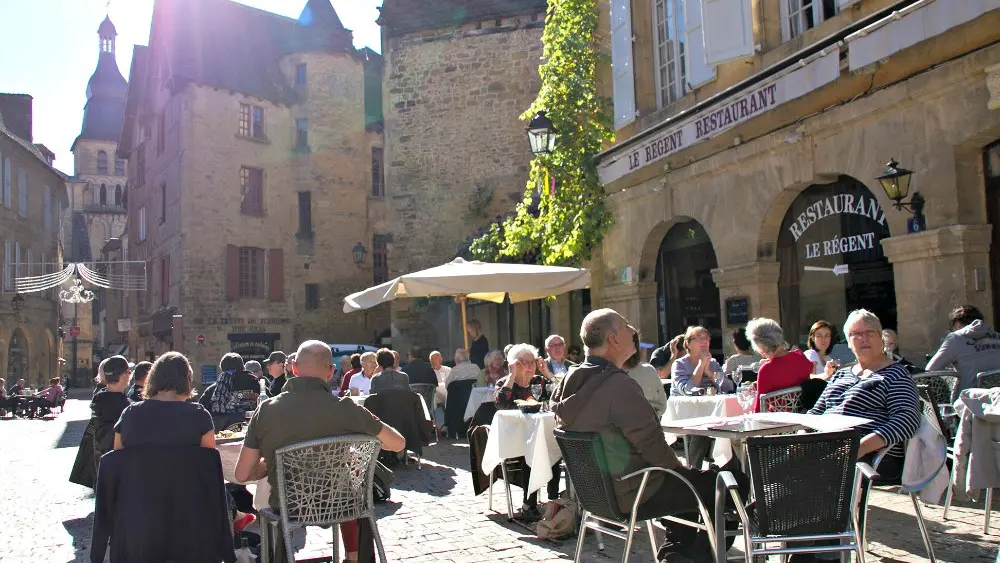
x,y
165,417
523,361
695,370
821,341
782,368
50,398
744,356
645,375
875,388
494,370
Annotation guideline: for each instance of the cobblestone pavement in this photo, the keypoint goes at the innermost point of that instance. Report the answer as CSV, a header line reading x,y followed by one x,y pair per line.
x,y
432,515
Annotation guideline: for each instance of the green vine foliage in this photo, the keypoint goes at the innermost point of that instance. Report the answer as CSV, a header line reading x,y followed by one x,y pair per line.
x,y
565,226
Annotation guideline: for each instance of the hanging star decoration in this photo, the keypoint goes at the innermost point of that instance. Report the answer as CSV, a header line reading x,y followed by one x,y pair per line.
x,y
119,277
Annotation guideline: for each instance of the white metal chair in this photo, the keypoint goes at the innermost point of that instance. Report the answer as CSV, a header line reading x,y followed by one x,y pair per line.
x,y
782,400
322,483
921,523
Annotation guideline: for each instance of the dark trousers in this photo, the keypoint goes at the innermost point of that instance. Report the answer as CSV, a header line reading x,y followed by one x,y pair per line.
x,y
675,498
552,488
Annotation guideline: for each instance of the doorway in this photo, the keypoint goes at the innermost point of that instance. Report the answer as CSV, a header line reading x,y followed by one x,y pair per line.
x,y
991,170
686,293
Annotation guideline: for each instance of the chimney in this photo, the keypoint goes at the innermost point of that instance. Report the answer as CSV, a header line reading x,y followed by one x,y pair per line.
x,y
16,112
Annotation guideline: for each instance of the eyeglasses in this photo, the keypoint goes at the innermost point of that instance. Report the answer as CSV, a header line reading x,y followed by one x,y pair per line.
x,y
524,362
865,334
557,345
701,338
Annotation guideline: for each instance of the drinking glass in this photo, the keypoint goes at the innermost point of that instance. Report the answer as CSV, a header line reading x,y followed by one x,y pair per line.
x,y
746,396
737,377
536,391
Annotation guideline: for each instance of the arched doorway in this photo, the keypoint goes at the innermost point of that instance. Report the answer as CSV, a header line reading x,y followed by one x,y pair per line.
x,y
686,293
830,253
991,171
17,357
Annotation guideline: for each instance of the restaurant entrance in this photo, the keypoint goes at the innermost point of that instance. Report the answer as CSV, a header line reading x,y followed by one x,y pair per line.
x,y
17,358
991,170
686,293
830,253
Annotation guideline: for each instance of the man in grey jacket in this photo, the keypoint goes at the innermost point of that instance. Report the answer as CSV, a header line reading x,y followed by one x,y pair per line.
x,y
972,347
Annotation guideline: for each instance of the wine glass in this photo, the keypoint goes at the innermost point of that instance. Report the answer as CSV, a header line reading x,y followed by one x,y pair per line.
x,y
737,377
746,396
536,391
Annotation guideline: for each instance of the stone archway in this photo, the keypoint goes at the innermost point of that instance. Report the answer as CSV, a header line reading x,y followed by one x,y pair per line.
x,y
17,356
831,258
685,291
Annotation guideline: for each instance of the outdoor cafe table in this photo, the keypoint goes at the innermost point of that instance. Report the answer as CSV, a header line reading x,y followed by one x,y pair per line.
x,y
229,451
680,408
514,434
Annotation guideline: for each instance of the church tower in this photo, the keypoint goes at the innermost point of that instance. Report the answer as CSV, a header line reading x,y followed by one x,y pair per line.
x,y
97,194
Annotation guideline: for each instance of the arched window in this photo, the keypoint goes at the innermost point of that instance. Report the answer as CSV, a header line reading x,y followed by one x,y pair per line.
x,y
118,195
104,195
102,162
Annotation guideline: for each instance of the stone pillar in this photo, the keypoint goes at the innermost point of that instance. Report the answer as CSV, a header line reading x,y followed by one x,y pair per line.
x,y
560,311
756,281
177,334
935,271
637,303
993,85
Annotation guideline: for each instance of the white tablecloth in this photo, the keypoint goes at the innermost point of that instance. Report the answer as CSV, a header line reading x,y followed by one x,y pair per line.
x,y
478,396
515,434
360,399
680,408
230,454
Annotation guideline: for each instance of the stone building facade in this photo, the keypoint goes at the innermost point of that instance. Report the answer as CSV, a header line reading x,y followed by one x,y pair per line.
x,y
250,176
32,197
743,178
96,213
456,153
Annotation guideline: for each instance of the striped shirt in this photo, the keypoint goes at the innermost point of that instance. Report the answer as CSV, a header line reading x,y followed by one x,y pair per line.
x,y
888,397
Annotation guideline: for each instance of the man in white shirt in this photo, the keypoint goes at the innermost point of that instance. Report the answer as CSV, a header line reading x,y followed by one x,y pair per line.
x,y
442,372
464,369
361,382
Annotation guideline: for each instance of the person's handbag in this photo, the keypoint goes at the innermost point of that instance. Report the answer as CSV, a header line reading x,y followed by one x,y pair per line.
x,y
557,520
382,484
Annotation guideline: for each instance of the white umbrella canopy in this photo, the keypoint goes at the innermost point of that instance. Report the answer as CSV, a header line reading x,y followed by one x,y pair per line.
x,y
475,280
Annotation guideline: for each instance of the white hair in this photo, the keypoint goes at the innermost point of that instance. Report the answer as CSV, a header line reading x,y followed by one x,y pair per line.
x,y
461,355
518,350
548,341
766,334
869,318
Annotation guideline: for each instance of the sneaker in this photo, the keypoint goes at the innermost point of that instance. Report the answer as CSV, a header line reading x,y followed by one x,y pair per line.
x,y
529,514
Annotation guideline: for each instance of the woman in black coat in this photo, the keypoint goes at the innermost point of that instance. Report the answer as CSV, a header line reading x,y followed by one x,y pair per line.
x,y
106,409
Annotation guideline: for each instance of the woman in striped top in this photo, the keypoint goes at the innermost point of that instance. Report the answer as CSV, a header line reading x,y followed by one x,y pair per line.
x,y
876,388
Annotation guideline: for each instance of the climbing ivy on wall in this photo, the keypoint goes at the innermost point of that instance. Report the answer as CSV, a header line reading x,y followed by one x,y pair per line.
x,y
563,215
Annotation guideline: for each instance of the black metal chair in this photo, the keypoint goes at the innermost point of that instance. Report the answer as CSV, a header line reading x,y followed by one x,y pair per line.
x,y
940,384
426,391
586,465
454,409
988,379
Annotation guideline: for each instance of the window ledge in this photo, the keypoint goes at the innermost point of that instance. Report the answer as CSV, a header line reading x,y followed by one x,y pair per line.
x,y
261,140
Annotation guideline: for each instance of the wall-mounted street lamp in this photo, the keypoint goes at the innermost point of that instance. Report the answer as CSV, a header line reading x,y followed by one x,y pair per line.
x,y
541,134
895,182
16,306
360,252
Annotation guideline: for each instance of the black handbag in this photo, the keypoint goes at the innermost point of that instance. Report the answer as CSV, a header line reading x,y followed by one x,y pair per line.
x,y
382,484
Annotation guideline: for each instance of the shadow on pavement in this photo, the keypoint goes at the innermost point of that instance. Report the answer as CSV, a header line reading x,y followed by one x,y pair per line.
x,y
80,529
72,434
899,530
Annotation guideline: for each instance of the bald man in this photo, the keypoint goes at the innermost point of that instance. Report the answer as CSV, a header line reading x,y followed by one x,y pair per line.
x,y
306,410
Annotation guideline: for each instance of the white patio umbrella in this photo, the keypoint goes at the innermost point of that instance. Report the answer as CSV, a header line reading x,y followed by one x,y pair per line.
x,y
476,280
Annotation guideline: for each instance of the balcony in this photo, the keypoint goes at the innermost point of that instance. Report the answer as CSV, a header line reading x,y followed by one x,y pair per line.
x,y
110,209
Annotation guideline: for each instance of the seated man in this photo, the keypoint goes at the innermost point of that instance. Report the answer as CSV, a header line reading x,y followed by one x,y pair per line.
x,y
972,347
599,396
50,398
419,370
307,410
390,378
236,392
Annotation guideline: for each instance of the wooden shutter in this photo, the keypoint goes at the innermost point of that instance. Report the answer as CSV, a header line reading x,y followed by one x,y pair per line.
x,y
622,76
727,26
165,281
276,274
232,272
697,71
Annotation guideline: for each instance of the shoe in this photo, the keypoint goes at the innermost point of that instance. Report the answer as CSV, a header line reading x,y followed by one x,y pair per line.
x,y
240,524
529,514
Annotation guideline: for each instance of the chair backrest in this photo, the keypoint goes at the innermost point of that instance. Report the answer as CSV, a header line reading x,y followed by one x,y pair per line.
x,y
988,379
458,395
327,481
940,384
587,466
425,390
930,407
803,483
782,400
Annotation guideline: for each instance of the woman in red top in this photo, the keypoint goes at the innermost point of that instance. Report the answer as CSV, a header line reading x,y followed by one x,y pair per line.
x,y
781,368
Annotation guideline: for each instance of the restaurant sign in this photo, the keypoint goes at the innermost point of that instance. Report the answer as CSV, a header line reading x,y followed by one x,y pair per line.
x,y
720,118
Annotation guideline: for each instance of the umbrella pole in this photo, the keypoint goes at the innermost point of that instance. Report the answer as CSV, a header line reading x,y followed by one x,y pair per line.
x,y
465,332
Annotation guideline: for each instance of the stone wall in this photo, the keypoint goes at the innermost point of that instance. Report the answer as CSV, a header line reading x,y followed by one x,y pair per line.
x,y
456,152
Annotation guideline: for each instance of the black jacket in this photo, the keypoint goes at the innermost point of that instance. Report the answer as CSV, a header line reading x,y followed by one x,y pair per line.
x,y
99,436
162,503
421,372
276,386
403,411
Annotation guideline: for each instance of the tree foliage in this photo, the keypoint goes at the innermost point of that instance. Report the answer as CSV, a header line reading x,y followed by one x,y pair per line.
x,y
564,224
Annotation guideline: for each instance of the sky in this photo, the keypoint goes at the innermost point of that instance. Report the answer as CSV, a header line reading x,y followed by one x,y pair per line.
x,y
49,48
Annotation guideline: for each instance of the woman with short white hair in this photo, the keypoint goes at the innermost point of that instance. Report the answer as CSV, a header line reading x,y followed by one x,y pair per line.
x,y
782,368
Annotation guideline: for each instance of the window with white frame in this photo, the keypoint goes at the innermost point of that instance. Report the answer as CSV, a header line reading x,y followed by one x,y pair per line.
x,y
798,16
22,192
142,224
668,31
8,266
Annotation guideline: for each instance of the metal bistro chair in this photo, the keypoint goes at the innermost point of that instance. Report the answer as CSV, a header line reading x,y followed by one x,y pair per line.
x,y
323,483
921,523
940,384
782,400
988,505
426,390
988,379
805,486
587,467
